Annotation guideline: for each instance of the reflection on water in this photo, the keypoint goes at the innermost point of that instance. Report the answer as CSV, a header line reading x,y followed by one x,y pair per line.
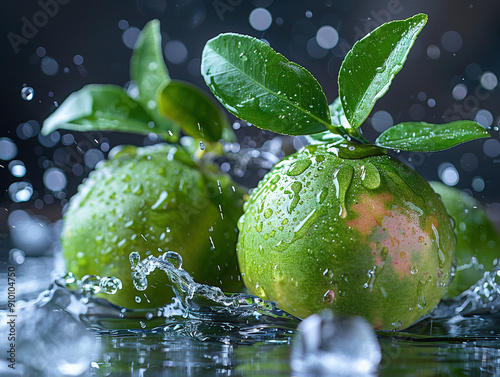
x,y
63,333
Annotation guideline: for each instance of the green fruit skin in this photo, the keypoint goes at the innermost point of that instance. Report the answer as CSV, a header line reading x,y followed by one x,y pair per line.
x,y
151,200
350,229
477,238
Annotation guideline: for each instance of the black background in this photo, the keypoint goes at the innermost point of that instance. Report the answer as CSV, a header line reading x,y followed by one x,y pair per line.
x,y
90,29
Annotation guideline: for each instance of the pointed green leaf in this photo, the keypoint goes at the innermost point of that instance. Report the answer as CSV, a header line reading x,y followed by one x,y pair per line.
x,y
369,67
259,85
149,72
425,137
147,67
197,115
105,108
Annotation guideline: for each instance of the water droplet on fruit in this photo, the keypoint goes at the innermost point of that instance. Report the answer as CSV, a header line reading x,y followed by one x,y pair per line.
x,y
371,279
329,296
275,179
421,303
298,167
259,291
322,195
161,200
441,258
259,227
370,176
296,188
342,179
268,212
302,227
137,189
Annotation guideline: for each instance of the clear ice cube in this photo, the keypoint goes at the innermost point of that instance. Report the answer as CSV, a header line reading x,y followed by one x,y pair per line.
x,y
330,345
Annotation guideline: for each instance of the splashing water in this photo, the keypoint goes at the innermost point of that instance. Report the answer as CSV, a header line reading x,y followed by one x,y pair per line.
x,y
204,301
484,296
198,311
204,313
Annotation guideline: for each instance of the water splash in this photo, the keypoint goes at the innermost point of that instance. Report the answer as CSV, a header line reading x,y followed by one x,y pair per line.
x,y
200,299
92,284
482,297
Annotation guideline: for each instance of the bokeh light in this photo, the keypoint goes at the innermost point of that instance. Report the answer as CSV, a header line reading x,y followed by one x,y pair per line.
x,y
459,92
8,150
491,147
49,66
448,174
489,81
54,179
176,52
20,191
260,19
451,41
327,37
381,120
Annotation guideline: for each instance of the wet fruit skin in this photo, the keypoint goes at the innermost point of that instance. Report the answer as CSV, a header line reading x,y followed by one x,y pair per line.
x,y
151,200
478,240
347,228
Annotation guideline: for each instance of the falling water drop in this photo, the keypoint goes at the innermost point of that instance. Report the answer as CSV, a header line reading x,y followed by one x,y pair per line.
x,y
27,93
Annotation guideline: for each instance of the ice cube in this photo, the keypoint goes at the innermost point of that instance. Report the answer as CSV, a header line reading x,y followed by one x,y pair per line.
x,y
48,340
331,345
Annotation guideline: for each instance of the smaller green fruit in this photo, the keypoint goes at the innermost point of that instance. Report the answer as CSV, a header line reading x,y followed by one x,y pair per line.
x,y
150,200
478,241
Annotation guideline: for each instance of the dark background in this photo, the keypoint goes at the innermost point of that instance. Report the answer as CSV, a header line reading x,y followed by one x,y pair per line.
x,y
86,39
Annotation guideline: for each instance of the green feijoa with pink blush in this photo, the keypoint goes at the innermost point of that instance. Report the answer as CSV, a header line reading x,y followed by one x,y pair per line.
x,y
340,224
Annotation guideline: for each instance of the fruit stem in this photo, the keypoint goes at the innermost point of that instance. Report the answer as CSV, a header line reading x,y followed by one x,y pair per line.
x,y
352,134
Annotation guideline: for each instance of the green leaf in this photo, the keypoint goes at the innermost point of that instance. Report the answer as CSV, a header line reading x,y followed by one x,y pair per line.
x,y
149,72
147,67
261,86
104,108
369,67
197,115
324,137
425,137
337,114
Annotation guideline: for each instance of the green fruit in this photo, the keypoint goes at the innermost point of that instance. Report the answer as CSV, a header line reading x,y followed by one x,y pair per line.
x,y
151,200
349,228
477,238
